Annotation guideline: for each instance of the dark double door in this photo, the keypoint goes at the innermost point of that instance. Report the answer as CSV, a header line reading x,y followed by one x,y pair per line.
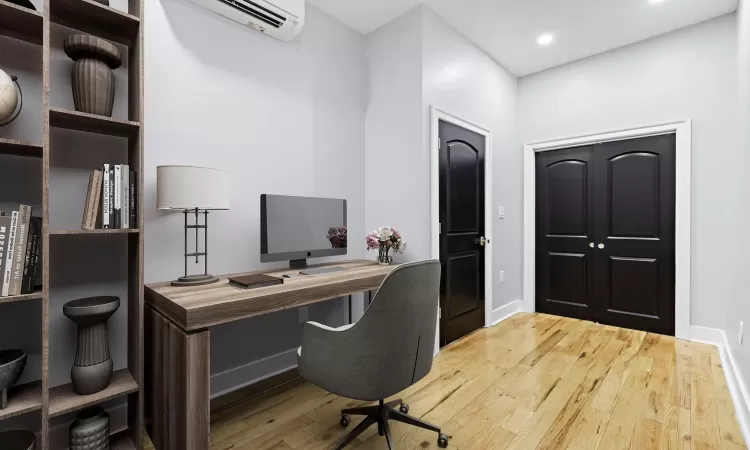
x,y
605,217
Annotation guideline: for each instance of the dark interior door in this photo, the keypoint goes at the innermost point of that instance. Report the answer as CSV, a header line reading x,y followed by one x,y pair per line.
x,y
634,228
605,233
564,232
462,154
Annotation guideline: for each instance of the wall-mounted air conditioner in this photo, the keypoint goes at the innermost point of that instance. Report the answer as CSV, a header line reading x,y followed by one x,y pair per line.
x,y
280,19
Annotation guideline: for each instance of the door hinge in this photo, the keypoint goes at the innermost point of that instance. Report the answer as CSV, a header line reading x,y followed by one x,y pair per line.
x,y
440,143
440,313
440,228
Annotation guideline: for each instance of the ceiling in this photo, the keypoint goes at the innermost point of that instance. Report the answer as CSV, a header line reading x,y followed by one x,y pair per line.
x,y
508,29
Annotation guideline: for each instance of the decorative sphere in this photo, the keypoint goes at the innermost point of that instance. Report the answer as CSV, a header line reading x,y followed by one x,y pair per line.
x,y
8,96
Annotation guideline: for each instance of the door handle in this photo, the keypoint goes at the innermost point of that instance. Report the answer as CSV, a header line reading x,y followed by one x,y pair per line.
x,y
483,241
591,244
601,246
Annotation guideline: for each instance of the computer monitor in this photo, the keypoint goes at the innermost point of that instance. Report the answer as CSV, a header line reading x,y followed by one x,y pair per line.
x,y
296,228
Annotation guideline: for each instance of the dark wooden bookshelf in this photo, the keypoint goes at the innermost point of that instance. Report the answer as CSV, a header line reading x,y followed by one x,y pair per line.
x,y
92,123
62,399
77,232
38,295
21,23
20,148
97,19
23,399
125,28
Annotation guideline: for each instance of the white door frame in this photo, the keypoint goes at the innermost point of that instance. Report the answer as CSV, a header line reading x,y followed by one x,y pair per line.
x,y
436,115
683,131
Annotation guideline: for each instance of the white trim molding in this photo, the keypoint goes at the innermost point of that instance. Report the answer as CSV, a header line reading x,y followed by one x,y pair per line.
x,y
506,311
252,372
436,115
683,131
731,369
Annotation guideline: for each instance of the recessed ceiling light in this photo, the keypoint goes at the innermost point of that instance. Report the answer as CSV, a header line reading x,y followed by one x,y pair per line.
x,y
545,39
656,2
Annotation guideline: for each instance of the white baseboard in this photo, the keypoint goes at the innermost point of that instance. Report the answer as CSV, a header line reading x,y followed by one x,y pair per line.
x,y
250,373
505,311
736,384
705,335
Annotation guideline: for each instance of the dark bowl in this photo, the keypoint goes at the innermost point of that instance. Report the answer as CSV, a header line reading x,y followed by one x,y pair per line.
x,y
92,310
12,363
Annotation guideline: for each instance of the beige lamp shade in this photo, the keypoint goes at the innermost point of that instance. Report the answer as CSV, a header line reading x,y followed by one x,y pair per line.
x,y
190,187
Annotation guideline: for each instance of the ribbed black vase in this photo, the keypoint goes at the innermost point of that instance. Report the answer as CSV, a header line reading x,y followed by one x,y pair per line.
x,y
92,78
92,369
90,430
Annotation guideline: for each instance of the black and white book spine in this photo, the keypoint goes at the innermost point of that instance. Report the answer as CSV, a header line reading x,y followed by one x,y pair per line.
x,y
133,200
19,251
9,253
32,249
118,196
125,174
4,236
105,196
111,200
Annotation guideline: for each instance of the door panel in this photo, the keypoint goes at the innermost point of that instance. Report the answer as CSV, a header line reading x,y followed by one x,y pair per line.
x,y
635,217
462,155
563,228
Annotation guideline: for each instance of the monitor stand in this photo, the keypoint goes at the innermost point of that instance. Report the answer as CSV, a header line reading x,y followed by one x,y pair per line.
x,y
297,263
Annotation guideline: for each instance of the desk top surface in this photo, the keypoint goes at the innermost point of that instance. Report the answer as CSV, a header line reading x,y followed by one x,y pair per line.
x,y
197,307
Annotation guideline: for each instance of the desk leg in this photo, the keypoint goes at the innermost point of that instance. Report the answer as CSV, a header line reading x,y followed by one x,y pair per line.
x,y
178,390
350,310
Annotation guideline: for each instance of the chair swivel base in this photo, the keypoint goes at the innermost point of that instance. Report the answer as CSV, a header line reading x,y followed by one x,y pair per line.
x,y
381,414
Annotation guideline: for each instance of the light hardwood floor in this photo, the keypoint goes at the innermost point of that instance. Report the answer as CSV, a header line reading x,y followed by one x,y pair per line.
x,y
532,382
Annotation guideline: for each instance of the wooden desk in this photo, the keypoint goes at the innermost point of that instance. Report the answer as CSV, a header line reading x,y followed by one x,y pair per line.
x,y
177,340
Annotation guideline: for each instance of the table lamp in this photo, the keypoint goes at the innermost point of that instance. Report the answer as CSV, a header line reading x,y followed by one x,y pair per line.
x,y
193,190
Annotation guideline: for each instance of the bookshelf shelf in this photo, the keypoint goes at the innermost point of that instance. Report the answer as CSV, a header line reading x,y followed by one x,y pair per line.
x,y
92,123
62,399
97,19
94,232
20,298
23,399
21,23
20,148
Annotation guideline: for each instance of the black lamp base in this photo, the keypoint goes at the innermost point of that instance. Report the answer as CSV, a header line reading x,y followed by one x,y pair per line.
x,y
195,280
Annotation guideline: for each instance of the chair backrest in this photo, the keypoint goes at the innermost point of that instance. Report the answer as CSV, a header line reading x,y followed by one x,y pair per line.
x,y
397,331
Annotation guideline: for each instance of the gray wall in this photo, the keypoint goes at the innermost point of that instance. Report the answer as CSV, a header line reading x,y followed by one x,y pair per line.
x,y
283,118
463,80
690,73
738,307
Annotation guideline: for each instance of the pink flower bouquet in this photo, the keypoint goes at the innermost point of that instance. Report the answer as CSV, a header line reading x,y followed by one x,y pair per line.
x,y
384,240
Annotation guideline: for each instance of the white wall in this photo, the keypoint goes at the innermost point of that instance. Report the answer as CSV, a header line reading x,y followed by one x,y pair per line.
x,y
397,168
283,118
690,73
461,79
738,307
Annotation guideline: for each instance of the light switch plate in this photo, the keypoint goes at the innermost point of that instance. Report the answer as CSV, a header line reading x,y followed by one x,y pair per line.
x,y
501,277
501,212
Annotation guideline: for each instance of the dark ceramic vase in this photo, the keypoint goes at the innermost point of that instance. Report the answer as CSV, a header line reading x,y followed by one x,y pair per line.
x,y
17,440
90,430
12,363
92,77
92,369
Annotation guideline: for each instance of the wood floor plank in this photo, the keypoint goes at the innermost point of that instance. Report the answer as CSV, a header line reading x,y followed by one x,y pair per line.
x,y
534,381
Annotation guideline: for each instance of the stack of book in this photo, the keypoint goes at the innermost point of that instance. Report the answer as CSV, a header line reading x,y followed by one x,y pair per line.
x,y
20,247
111,198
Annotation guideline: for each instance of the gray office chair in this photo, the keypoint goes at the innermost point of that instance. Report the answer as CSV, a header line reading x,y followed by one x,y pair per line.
x,y
388,350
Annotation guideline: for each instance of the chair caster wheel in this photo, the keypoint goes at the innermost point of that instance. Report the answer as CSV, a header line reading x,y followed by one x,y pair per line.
x,y
404,408
345,421
442,441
